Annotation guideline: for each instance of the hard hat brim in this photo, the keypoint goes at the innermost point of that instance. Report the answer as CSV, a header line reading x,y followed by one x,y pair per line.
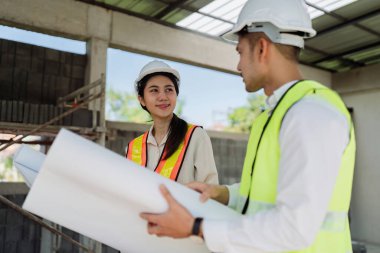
x,y
232,35
157,70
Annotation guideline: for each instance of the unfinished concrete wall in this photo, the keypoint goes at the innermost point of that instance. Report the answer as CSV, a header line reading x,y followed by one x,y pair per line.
x,y
36,74
360,89
31,80
321,76
17,233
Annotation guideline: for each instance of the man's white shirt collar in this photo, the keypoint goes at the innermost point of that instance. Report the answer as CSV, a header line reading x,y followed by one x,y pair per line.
x,y
273,99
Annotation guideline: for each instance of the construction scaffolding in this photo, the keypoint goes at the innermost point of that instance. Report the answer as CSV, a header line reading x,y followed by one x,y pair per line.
x,y
75,101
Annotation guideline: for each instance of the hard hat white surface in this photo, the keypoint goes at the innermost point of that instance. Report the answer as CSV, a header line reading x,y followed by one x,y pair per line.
x,y
277,18
156,66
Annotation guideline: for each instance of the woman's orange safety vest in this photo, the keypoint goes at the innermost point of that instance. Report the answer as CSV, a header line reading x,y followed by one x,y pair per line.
x,y
170,167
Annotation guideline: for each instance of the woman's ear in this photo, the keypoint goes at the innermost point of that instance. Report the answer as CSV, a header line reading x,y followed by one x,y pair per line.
x,y
141,100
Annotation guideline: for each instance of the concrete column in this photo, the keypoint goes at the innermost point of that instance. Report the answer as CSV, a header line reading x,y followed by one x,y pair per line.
x,y
98,24
98,28
360,89
96,64
96,67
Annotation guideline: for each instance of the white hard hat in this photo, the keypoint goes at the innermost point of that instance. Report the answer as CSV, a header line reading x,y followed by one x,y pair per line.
x,y
284,22
155,67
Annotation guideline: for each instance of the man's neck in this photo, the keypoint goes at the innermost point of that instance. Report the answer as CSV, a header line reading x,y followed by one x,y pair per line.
x,y
281,77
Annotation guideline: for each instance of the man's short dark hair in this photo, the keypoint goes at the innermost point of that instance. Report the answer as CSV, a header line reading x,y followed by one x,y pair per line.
x,y
289,52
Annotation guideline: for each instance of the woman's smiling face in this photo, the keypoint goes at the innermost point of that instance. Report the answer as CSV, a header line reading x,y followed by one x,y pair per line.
x,y
160,97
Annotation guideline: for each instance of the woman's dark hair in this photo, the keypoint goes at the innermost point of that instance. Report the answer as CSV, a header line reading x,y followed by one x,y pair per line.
x,y
178,127
177,133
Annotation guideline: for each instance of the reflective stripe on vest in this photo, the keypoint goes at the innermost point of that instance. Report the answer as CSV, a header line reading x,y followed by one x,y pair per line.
x,y
134,150
258,188
169,168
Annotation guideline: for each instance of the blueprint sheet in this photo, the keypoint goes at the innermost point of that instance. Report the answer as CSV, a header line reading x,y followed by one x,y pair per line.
x,y
96,192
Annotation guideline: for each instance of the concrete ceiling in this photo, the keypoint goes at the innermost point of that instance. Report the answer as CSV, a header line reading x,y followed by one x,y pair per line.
x,y
348,37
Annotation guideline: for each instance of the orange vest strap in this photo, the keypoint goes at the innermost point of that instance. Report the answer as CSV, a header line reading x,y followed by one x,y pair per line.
x,y
170,167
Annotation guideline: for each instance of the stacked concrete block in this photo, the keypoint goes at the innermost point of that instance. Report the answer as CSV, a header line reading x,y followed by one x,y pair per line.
x,y
6,68
108,249
9,111
228,159
30,113
3,110
67,247
17,233
32,78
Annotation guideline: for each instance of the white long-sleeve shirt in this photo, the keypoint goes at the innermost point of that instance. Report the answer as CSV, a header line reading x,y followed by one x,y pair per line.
x,y
313,137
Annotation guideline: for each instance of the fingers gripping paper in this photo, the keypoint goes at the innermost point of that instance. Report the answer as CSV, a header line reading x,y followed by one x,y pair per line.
x,y
100,194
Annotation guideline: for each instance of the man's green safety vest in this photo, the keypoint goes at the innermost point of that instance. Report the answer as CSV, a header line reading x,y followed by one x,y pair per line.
x,y
258,188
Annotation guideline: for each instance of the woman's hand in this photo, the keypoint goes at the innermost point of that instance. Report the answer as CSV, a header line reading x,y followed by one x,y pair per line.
x,y
219,193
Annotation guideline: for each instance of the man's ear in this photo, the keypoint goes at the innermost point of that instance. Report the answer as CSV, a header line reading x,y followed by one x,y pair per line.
x,y
263,48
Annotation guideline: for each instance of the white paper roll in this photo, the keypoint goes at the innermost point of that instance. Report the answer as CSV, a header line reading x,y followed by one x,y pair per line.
x,y
100,194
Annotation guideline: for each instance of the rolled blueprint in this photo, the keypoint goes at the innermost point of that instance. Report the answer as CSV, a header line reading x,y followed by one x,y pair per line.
x,y
28,162
96,192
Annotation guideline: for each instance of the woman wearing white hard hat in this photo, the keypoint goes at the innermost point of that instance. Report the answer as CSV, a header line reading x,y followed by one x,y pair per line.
x,y
172,148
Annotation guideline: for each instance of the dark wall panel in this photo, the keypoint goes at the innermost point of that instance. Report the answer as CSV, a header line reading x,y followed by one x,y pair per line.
x,y
32,78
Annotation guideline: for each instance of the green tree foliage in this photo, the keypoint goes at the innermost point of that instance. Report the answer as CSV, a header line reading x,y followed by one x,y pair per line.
x,y
7,171
123,106
8,163
179,107
241,118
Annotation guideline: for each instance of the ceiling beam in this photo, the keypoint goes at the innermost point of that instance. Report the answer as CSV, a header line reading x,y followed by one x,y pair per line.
x,y
372,58
342,54
194,10
317,67
350,22
122,10
343,19
348,61
169,8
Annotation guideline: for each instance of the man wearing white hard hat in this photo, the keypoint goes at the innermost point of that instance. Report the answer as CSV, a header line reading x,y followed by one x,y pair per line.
x,y
296,181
